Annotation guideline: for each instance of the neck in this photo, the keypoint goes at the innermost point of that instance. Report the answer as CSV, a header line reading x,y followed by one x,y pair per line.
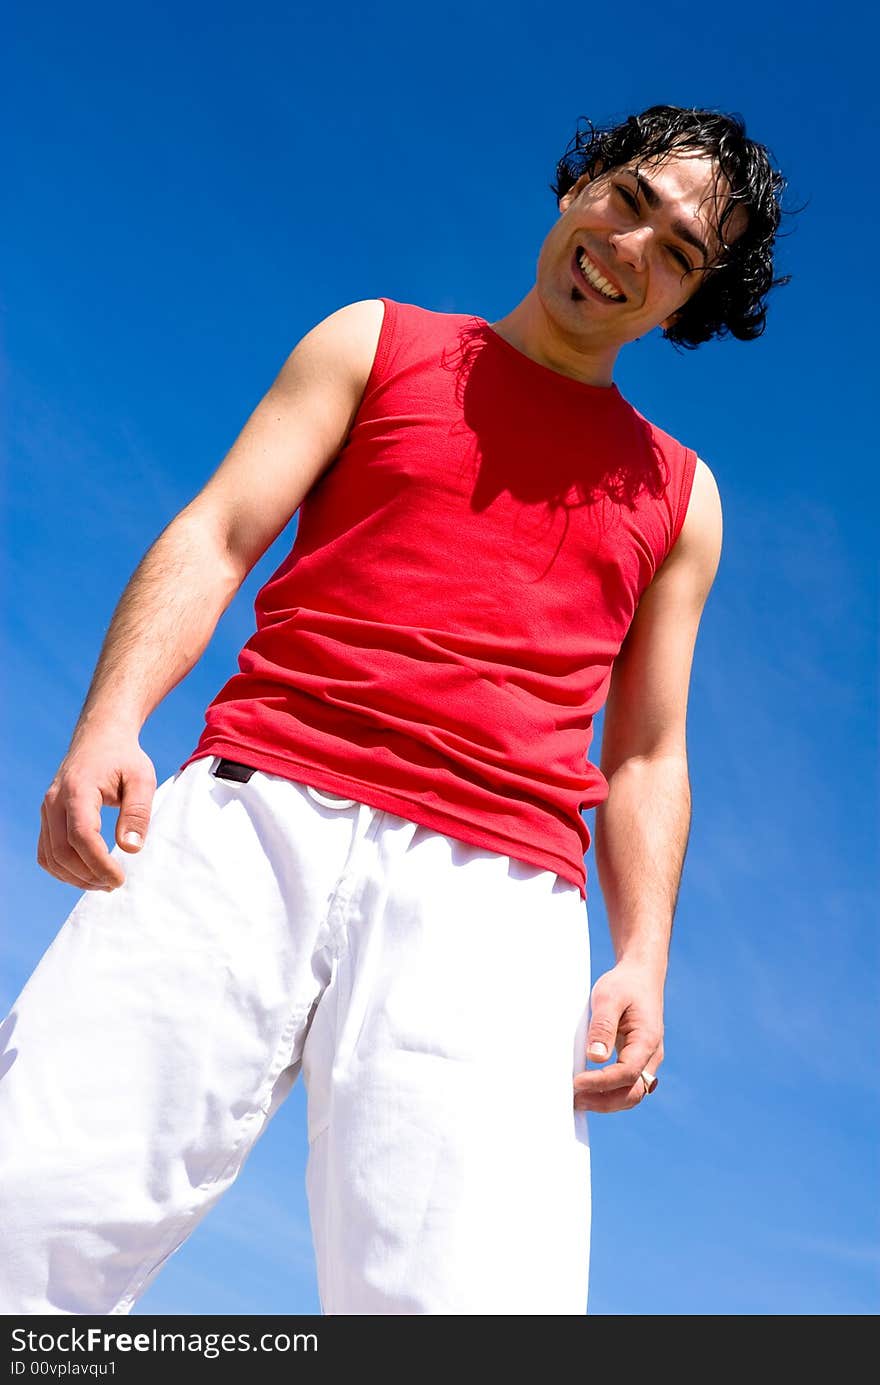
x,y
531,330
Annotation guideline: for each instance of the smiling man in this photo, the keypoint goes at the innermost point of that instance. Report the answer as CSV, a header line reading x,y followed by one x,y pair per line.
x,y
370,869
636,247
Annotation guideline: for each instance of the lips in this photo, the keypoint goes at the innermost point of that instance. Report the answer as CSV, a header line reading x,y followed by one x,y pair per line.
x,y
584,283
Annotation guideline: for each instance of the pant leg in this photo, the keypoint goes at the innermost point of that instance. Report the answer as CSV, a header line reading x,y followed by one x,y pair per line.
x,y
448,1172
157,1036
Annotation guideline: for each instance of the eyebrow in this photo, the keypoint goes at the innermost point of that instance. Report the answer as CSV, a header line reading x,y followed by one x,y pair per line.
x,y
684,232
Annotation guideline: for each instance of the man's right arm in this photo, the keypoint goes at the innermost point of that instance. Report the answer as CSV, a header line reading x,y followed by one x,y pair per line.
x,y
170,608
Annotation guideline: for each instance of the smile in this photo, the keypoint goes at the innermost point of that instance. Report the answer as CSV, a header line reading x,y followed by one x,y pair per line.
x,y
592,275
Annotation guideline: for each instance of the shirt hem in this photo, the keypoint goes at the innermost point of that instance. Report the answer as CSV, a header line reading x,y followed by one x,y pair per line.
x,y
388,801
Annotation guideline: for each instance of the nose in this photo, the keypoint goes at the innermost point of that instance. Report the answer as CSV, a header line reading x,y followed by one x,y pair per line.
x,y
632,245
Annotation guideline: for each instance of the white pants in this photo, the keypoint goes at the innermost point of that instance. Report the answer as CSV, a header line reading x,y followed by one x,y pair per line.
x,y
434,994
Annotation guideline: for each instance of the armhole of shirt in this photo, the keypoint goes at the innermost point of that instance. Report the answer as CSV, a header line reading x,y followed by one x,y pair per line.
x,y
688,473
383,347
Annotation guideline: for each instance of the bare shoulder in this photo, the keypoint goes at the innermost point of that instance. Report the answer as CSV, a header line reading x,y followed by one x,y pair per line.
x,y
704,508
293,435
699,543
344,344
355,328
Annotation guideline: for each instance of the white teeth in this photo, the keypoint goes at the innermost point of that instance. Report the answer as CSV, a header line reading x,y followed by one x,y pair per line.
x,y
593,277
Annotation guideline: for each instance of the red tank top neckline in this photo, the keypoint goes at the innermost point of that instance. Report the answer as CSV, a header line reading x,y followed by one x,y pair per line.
x,y
611,392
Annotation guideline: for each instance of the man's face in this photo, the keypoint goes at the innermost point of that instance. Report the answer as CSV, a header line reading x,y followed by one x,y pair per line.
x,y
641,230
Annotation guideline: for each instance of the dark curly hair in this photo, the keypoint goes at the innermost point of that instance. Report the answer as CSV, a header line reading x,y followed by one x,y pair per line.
x,y
731,297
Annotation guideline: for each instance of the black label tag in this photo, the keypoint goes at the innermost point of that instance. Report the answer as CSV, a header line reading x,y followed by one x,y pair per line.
x,y
231,769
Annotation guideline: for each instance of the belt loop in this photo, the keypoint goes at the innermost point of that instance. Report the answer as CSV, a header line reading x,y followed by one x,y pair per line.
x,y
330,800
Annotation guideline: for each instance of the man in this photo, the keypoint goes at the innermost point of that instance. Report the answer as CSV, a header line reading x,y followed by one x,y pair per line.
x,y
370,868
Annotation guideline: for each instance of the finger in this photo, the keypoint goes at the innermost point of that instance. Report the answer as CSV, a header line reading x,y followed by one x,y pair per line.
x,y
640,1052
134,814
602,1033
623,1099
633,1056
50,849
57,862
607,1079
618,1099
626,1072
84,836
591,1084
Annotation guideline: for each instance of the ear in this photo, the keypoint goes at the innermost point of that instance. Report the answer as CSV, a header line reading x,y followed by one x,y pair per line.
x,y
567,198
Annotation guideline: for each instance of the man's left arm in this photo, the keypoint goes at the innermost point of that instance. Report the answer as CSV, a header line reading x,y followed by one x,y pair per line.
x,y
642,827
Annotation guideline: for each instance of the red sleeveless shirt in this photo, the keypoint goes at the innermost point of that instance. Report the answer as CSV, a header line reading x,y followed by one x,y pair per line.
x,y
442,633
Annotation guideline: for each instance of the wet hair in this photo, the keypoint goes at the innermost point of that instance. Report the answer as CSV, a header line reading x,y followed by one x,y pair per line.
x,y
731,297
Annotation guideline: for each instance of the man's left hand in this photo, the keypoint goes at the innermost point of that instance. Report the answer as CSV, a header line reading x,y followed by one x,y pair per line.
x,y
626,1007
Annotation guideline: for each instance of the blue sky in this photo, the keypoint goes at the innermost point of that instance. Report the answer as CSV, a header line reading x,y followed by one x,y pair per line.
x,y
192,189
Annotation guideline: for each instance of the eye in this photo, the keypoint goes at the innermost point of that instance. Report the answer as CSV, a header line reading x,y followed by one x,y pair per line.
x,y
633,203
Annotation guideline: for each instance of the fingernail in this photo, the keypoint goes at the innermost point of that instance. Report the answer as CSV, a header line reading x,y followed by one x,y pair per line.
x,y
598,1050
132,839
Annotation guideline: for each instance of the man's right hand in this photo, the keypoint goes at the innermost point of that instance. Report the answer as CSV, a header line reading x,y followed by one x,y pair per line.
x,y
99,769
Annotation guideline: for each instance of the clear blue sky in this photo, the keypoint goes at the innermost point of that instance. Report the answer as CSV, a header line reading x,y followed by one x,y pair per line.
x,y
190,190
